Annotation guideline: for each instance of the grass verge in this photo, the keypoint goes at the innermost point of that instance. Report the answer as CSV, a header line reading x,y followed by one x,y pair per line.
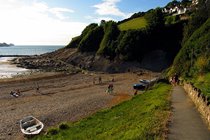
x,y
202,82
143,117
136,23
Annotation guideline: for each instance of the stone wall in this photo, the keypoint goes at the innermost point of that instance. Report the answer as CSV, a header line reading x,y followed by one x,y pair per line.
x,y
200,101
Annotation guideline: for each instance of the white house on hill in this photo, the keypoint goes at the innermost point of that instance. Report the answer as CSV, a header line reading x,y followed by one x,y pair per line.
x,y
194,2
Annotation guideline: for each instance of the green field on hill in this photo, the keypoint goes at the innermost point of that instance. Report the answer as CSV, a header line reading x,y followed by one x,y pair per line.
x,y
143,117
136,23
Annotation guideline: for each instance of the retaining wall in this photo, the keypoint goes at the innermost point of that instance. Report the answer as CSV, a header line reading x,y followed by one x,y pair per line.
x,y
200,101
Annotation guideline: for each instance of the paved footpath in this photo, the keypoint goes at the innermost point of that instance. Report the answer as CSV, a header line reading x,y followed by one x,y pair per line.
x,y
187,123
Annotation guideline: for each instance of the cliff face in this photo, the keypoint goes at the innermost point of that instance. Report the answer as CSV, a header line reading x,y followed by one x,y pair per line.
x,y
106,48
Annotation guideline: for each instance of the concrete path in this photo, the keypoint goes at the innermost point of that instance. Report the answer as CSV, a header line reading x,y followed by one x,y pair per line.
x,y
187,123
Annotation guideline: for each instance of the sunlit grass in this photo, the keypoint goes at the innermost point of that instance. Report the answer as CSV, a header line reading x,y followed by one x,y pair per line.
x,y
136,23
202,82
143,117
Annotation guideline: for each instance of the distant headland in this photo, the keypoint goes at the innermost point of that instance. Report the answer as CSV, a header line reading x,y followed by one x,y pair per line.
x,y
6,45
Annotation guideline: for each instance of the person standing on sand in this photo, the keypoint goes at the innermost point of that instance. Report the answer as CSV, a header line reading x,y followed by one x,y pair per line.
x,y
99,80
136,91
18,92
110,89
113,79
93,80
37,88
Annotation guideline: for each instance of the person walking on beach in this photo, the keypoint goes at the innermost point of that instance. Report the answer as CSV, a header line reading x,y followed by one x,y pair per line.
x,y
110,89
37,88
136,91
94,81
113,79
99,80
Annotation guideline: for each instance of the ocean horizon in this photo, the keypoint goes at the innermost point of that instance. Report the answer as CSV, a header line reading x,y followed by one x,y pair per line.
x,y
7,70
28,49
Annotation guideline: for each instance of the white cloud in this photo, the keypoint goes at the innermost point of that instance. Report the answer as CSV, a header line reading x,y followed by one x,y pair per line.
x,y
24,22
98,19
109,7
59,12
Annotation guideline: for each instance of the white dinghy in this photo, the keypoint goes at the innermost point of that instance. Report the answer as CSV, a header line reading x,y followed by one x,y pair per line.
x,y
31,126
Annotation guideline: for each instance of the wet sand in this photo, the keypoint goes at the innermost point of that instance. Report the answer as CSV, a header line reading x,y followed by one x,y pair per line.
x,y
61,97
7,70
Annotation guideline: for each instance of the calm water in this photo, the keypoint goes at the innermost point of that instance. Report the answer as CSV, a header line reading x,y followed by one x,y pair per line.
x,y
7,70
27,50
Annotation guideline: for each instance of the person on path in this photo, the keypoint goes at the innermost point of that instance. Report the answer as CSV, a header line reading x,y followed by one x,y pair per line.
x,y
176,79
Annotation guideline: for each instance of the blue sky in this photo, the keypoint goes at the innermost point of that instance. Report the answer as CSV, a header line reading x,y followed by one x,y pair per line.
x,y
87,8
55,22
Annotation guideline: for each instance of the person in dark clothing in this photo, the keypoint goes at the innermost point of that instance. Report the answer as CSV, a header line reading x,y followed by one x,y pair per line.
x,y
110,88
176,79
99,80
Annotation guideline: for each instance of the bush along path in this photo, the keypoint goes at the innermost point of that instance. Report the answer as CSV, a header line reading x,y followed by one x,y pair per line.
x,y
187,123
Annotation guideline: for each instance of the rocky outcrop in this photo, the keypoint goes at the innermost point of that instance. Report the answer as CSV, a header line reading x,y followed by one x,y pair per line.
x,y
68,58
6,45
38,62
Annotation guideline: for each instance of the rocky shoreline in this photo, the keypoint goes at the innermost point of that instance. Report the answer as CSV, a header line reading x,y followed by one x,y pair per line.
x,y
70,60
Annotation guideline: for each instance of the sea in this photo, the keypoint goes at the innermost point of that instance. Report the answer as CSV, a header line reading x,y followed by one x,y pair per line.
x,y
7,70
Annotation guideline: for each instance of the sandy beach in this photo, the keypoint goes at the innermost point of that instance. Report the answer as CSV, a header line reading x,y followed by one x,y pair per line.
x,y
60,98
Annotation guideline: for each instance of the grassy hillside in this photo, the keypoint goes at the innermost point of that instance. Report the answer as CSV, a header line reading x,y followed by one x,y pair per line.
x,y
194,57
143,117
136,23
193,60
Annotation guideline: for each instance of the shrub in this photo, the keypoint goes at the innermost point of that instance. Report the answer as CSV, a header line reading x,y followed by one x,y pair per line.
x,y
155,18
107,45
74,42
63,126
91,41
52,131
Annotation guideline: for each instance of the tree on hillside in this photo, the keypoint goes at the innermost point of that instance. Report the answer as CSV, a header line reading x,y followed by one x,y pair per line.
x,y
127,45
194,57
91,41
186,2
107,45
76,40
198,18
88,28
208,7
173,3
155,18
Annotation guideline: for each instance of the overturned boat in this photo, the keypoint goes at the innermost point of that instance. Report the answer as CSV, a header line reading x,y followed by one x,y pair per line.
x,y
31,126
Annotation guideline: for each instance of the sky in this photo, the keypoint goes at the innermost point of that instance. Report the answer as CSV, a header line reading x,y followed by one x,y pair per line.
x,y
55,22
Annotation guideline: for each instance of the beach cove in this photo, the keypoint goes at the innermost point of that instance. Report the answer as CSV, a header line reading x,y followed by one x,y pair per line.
x,y
61,97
